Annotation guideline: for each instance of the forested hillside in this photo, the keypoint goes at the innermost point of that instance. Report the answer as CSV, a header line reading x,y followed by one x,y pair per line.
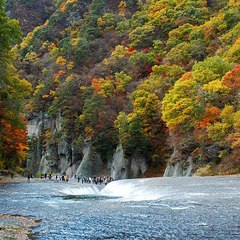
x,y
30,13
13,138
158,78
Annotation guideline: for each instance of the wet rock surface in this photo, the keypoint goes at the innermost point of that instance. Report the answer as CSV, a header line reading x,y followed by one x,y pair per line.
x,y
156,208
16,227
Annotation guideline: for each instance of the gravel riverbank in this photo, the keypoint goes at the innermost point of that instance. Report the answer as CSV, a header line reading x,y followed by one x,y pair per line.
x,y
6,179
16,227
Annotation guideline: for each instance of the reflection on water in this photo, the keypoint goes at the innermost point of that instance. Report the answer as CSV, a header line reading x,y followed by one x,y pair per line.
x,y
160,208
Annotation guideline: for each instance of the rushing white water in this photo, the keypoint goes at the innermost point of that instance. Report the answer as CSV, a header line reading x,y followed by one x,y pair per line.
x,y
140,189
86,190
131,190
127,190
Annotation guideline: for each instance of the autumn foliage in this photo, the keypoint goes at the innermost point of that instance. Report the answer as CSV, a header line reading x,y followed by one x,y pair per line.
x,y
138,73
15,143
13,136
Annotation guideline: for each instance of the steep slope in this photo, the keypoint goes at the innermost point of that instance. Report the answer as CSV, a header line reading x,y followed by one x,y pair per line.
x,y
151,77
30,13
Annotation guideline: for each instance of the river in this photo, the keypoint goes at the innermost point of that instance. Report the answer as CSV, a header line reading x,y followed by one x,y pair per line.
x,y
156,208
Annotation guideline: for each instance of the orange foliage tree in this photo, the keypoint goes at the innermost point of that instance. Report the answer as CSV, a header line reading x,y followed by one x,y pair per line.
x,y
13,137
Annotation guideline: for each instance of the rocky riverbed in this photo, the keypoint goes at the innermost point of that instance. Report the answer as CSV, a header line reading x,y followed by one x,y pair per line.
x,y
16,227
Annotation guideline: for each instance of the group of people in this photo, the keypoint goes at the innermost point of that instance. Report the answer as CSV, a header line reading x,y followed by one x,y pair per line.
x,y
91,180
95,180
45,176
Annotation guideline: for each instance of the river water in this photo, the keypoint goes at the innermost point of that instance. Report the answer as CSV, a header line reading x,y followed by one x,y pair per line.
x,y
155,208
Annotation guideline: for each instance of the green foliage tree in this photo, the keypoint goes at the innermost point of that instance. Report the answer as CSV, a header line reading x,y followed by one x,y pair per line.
x,y
142,36
184,105
13,139
131,133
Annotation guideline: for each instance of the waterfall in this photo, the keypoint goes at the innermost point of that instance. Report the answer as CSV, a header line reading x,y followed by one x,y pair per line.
x,y
84,190
126,190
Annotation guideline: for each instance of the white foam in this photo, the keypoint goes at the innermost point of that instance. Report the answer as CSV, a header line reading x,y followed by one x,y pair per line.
x,y
88,190
179,208
52,204
133,191
126,190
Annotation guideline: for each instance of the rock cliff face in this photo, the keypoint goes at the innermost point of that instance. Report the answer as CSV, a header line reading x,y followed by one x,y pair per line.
x,y
36,125
180,168
49,154
91,163
187,158
181,162
127,167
